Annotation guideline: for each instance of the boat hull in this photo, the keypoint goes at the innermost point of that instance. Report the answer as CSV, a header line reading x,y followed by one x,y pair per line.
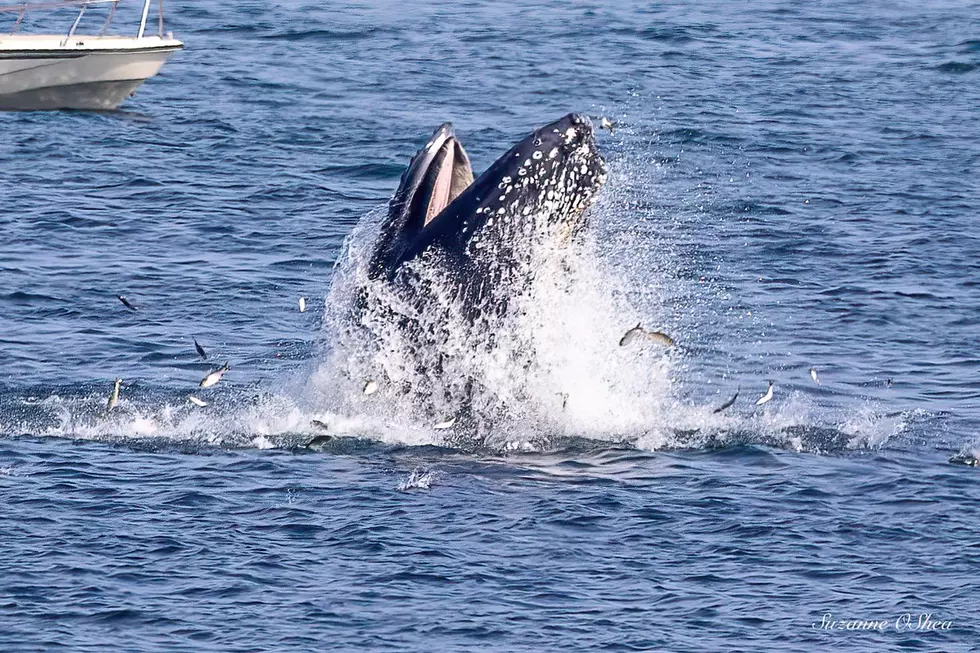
x,y
92,96
31,81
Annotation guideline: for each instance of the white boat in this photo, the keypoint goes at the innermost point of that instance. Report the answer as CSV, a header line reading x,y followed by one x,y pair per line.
x,y
78,71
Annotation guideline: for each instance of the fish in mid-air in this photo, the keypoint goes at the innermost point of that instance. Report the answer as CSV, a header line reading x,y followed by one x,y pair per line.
x,y
766,397
114,397
214,376
728,404
197,402
370,387
813,375
564,399
448,424
606,123
639,332
302,304
200,349
126,303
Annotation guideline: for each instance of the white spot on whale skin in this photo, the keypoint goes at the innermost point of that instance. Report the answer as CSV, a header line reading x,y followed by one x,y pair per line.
x,y
553,153
536,156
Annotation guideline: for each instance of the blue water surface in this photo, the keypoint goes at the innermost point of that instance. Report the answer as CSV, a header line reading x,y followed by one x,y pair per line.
x,y
792,186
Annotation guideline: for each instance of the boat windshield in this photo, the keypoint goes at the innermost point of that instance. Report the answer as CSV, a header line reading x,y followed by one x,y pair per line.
x,y
39,15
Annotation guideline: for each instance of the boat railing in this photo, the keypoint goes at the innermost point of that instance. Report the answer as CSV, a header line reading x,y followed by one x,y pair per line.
x,y
82,5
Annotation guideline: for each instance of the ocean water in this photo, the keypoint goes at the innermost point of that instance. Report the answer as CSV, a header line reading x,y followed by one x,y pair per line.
x,y
792,186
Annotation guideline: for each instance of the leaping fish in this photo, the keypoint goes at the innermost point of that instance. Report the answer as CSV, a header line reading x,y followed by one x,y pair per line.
x,y
200,349
728,404
766,397
448,424
564,399
214,376
813,375
114,397
638,332
126,303
197,402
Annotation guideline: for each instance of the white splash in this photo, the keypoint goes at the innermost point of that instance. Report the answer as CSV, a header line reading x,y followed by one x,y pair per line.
x,y
419,479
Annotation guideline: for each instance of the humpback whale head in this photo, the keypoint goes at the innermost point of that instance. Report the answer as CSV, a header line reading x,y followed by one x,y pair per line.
x,y
541,186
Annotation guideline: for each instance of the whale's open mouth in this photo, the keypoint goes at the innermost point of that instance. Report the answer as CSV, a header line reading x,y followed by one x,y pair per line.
x,y
437,175
443,172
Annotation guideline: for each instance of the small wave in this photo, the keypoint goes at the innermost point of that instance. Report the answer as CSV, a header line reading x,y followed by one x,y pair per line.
x,y
957,67
326,34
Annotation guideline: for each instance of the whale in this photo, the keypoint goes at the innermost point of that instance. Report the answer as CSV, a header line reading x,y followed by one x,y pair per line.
x,y
433,293
484,232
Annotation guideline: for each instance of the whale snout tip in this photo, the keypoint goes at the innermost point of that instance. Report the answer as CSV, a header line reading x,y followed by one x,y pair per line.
x,y
582,120
446,129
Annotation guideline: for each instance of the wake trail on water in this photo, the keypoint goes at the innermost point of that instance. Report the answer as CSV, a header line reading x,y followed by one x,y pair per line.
x,y
549,369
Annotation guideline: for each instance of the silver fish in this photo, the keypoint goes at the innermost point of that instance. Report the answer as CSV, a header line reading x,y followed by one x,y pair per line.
x,y
126,303
214,376
448,424
370,387
114,397
813,375
728,404
639,332
200,349
302,304
197,402
766,397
